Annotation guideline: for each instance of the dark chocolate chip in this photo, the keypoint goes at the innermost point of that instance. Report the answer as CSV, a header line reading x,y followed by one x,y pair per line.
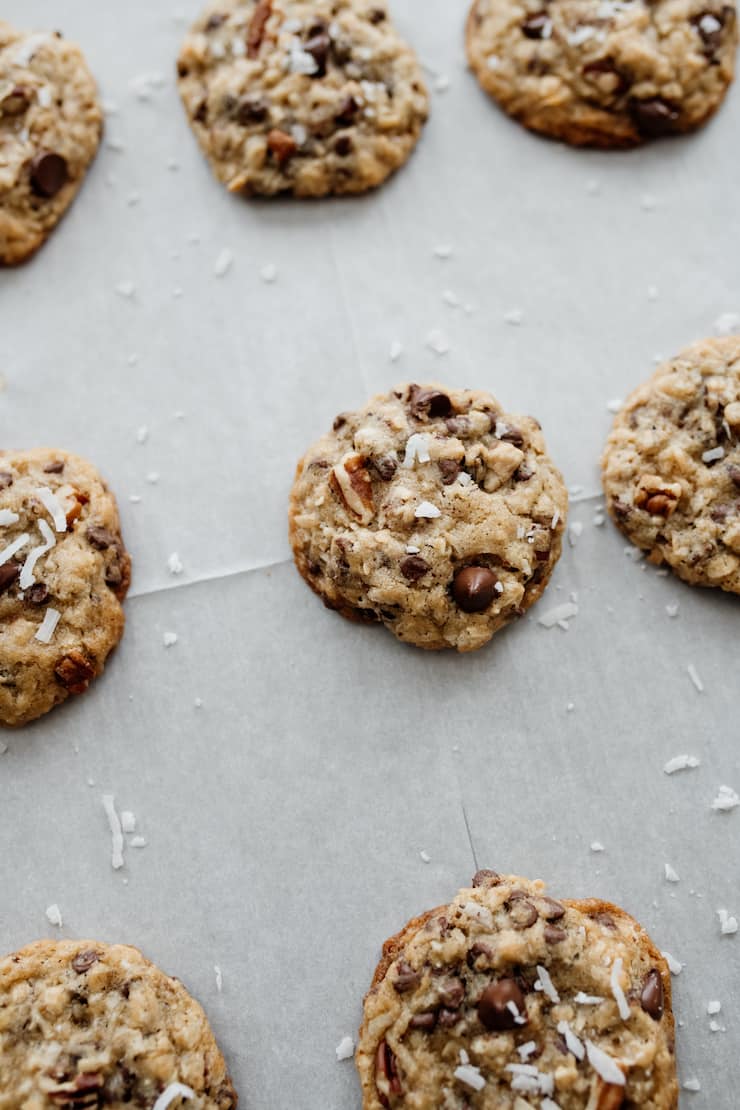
x,y
449,468
486,878
426,1021
406,978
509,434
348,110
414,567
429,401
458,425
710,35
553,910
605,67
654,117
452,993
318,47
493,1007
37,594
376,15
534,26
554,934
215,21
6,479
344,146
55,467
49,173
523,473
83,961
651,997
523,913
15,101
9,572
385,467
251,109
385,1067
474,588
100,538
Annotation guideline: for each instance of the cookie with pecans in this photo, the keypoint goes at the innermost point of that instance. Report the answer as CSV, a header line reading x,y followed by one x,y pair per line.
x,y
507,999
63,575
432,511
605,73
86,1024
308,97
50,128
671,466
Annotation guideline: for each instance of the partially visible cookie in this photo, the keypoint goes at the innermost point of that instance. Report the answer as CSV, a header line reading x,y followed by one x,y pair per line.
x,y
431,510
50,127
671,466
601,72
63,575
303,96
507,999
86,1024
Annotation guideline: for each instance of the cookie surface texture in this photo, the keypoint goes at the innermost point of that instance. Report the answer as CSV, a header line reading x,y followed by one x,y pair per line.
x,y
508,999
671,466
86,1024
50,128
63,575
301,97
602,72
430,510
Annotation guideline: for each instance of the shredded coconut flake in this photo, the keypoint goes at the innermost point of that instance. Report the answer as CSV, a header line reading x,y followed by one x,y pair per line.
x,y
714,455
714,1007
223,263
8,517
169,639
526,1050
470,1076
425,857
174,564
427,511
572,1042
169,1094
269,273
54,915
437,341
396,350
727,323
681,763
48,626
27,571
727,923
345,1050
619,995
219,978
587,999
564,612
417,450
674,966
546,984
694,676
726,799
671,875
691,1084
514,316
115,830
597,846
604,1065
138,842
9,551
128,821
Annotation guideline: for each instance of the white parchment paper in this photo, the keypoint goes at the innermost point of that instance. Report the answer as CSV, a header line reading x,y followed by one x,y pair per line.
x,y
285,816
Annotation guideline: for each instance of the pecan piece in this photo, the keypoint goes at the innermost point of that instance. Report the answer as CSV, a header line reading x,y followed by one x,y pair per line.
x,y
75,671
656,496
386,1074
256,29
282,145
351,482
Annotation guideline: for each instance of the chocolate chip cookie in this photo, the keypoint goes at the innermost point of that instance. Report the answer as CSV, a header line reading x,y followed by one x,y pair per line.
x,y
86,1024
605,73
671,466
432,511
507,999
63,575
50,128
303,96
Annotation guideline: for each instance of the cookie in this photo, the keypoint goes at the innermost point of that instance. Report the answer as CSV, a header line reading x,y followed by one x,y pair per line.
x,y
602,72
85,1024
50,128
507,999
63,575
432,511
671,466
308,97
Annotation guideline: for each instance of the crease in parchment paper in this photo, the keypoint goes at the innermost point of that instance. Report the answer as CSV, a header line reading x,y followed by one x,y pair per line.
x,y
217,576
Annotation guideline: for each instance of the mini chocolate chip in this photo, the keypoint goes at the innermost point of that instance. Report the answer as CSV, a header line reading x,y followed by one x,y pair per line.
x,y
318,47
651,997
318,27
429,401
486,878
251,109
523,913
406,978
347,112
553,910
49,173
38,593
654,117
474,588
8,574
733,472
710,35
449,469
376,15
414,567
452,993
100,538
554,934
6,479
83,961
523,473
343,146
493,1007
385,467
55,467
534,26
425,1021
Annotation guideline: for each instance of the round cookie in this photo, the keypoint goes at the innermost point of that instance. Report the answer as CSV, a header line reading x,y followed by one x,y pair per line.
x,y
602,72
671,466
507,999
50,128
85,1024
432,511
308,97
63,575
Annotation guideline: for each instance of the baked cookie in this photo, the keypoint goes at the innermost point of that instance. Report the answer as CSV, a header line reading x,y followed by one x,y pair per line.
x,y
507,999
605,73
671,466
50,127
432,511
63,575
301,96
85,1024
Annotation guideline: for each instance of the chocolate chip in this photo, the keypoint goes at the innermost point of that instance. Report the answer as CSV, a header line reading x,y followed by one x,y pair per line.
x,y
37,594
75,671
215,21
452,993
449,469
710,34
318,27
385,467
49,173
376,15
431,402
651,997
474,588
6,479
509,434
553,910
535,26
83,961
385,1067
605,919
15,101
654,117
251,109
732,471
256,29
406,978
344,146
493,1007
522,912
54,467
9,572
523,473
553,934
318,47
348,110
426,1021
281,145
458,425
486,878
414,567
605,67
100,538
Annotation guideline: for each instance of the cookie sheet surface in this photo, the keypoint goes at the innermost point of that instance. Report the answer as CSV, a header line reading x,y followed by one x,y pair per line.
x,y
285,816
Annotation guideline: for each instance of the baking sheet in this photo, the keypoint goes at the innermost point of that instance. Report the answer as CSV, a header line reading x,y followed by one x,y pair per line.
x,y
285,816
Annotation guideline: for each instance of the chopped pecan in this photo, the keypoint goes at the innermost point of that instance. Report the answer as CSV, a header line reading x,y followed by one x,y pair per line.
x,y
72,500
75,671
605,1096
386,1074
656,496
282,145
256,29
351,482
85,1090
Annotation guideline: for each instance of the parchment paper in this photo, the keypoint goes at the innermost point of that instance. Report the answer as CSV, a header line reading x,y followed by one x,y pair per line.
x,y
285,816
